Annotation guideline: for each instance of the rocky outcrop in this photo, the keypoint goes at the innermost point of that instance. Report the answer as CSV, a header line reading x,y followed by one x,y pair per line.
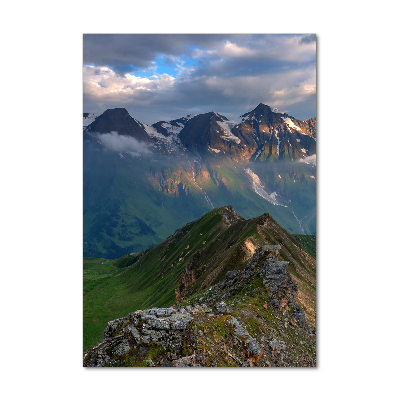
x,y
251,318
221,308
188,277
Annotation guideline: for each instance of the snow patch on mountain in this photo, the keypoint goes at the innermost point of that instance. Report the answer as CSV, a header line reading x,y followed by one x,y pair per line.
x,y
152,132
258,154
276,111
171,129
290,123
279,142
226,128
214,150
259,188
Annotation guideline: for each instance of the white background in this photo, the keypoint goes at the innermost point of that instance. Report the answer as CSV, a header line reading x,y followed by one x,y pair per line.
x,y
41,180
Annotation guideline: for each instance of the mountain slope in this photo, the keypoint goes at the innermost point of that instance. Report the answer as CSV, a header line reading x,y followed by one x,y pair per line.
x,y
273,135
118,120
251,318
263,130
132,203
197,256
134,197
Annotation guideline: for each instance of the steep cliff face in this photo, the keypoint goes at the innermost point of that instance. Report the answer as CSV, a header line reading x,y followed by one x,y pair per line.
x,y
250,319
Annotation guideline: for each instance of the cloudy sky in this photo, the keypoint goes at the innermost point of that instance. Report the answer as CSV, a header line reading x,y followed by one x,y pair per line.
x,y
162,77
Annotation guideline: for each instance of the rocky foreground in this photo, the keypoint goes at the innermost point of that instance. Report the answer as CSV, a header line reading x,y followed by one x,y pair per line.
x,y
250,319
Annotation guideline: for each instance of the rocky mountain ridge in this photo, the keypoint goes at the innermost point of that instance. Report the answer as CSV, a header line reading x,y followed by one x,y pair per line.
x,y
196,257
261,134
250,319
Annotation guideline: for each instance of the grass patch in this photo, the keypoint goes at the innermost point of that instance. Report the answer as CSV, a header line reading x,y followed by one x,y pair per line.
x,y
308,243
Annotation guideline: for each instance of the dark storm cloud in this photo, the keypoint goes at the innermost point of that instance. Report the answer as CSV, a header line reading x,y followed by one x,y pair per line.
x,y
308,39
229,74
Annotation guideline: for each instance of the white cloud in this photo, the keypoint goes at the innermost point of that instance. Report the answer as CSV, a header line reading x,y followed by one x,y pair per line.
x,y
197,53
278,89
233,50
228,75
102,85
266,47
119,143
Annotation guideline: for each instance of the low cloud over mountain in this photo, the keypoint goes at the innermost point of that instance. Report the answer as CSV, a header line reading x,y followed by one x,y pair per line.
x,y
118,143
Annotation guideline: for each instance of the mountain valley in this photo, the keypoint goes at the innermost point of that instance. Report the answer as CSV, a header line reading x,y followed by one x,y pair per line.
x,y
142,182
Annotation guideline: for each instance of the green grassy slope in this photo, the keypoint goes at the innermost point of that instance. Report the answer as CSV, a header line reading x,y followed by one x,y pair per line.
x,y
308,243
195,257
132,203
147,282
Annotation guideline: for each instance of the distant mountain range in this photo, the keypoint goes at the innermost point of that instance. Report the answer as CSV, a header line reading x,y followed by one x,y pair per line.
x,y
263,133
141,182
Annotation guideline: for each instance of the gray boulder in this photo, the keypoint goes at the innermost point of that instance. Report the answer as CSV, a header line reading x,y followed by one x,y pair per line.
x,y
221,308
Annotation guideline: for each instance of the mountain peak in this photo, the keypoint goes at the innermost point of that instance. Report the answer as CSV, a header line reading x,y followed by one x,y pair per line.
x,y
118,120
121,112
117,109
263,105
268,108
